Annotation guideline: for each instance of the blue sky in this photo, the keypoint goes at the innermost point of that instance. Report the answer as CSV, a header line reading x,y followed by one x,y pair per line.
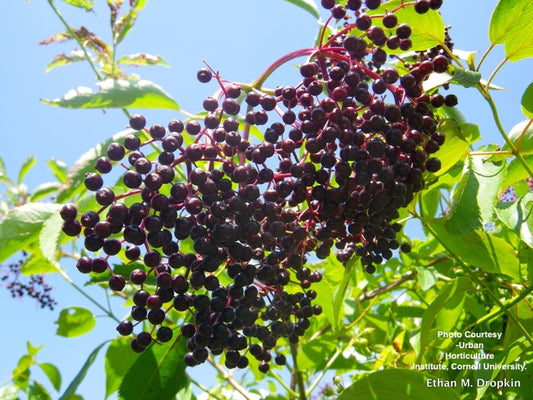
x,y
239,38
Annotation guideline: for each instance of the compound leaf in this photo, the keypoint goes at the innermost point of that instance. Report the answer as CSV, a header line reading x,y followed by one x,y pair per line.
x,y
117,93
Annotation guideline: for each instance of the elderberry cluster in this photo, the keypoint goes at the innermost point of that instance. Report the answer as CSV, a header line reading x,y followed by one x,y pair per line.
x,y
220,223
33,286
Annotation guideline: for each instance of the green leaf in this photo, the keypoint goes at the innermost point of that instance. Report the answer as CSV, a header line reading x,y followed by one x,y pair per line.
x,y
314,354
21,373
162,370
38,392
332,277
123,26
63,59
142,59
394,384
117,93
33,350
118,360
516,172
53,374
49,236
86,4
3,175
44,190
22,225
427,29
70,392
510,25
527,101
518,217
185,394
74,321
25,168
427,277
36,263
478,248
456,146
523,313
521,135
340,292
59,169
444,311
475,195
9,392
307,5
513,351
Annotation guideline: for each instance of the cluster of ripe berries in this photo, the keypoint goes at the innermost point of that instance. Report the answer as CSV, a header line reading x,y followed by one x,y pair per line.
x,y
220,224
33,286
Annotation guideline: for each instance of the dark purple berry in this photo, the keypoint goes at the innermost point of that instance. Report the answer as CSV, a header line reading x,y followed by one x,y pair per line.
x,y
93,181
422,6
125,328
204,75
117,282
68,212
137,122
164,334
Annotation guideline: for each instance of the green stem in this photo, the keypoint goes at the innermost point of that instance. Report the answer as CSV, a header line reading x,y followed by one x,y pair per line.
x,y
491,77
328,365
204,389
70,282
297,373
499,125
485,55
503,308
519,140
230,379
76,38
499,311
291,392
